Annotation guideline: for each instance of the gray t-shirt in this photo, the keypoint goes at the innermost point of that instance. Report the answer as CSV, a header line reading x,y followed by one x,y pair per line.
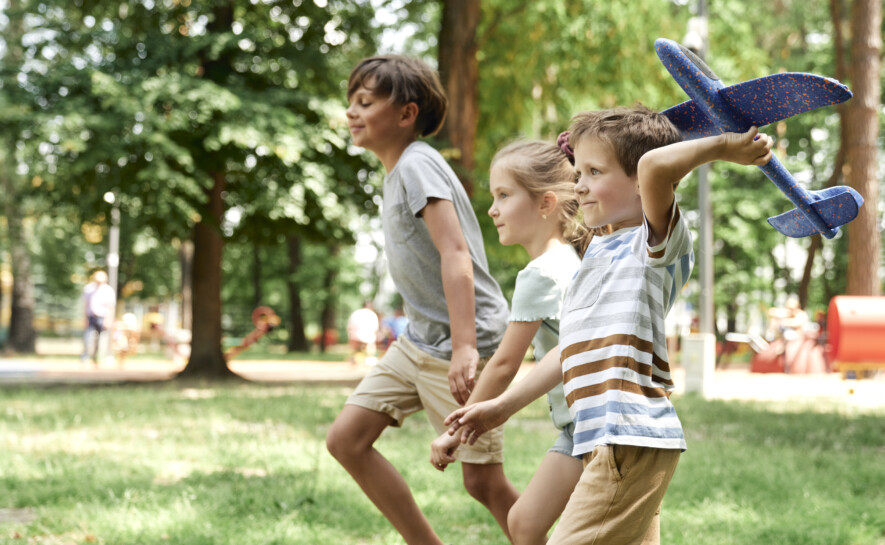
x,y
422,174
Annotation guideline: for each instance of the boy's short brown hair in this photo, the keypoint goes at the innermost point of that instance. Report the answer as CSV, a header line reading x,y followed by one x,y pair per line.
x,y
403,80
631,132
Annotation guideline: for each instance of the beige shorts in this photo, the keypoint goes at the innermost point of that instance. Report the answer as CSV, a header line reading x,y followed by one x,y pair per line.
x,y
617,500
407,380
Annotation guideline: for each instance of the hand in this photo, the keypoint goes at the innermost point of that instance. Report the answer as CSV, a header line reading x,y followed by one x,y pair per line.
x,y
749,148
462,373
476,419
442,450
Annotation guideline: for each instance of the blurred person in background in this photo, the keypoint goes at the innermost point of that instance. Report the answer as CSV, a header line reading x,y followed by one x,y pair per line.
x,y
99,299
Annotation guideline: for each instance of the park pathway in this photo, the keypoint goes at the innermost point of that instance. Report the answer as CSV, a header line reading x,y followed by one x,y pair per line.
x,y
738,384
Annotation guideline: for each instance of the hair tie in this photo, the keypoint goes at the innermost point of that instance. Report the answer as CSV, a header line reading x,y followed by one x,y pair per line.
x,y
562,142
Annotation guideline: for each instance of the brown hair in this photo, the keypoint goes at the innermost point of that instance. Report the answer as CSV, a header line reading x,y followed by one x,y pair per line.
x,y
403,80
540,167
631,132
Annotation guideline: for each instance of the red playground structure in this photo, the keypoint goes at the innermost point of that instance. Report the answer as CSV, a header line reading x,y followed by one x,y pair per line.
x,y
852,343
856,334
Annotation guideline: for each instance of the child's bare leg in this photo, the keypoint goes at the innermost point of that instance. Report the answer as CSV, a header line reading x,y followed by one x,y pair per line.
x,y
350,440
489,486
543,500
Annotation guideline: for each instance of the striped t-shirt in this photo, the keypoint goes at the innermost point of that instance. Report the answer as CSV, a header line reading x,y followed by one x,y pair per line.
x,y
612,338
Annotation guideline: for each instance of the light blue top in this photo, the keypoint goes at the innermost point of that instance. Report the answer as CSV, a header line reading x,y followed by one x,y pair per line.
x,y
538,295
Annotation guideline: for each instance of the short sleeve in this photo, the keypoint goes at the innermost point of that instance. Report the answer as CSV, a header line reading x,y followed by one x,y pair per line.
x,y
424,179
675,245
536,296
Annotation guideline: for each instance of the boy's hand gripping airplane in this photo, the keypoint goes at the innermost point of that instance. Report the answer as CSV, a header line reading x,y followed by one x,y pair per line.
x,y
715,109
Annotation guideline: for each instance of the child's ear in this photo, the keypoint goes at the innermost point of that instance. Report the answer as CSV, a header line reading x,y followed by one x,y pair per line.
x,y
549,200
408,114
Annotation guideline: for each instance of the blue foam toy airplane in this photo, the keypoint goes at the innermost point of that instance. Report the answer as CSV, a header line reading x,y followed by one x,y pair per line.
x,y
715,109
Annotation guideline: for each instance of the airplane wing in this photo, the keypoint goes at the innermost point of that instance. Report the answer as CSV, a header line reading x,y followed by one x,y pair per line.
x,y
691,121
762,101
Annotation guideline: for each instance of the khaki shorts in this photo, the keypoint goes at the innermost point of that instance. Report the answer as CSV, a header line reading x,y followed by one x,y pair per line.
x,y
617,500
407,380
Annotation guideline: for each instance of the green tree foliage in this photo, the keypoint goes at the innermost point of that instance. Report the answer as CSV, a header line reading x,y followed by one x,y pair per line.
x,y
543,61
159,101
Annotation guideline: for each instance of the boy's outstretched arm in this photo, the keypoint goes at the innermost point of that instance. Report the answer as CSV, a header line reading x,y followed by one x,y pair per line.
x,y
660,169
496,376
457,278
474,420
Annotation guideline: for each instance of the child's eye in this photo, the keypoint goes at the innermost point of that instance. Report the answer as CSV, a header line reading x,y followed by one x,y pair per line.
x,y
594,172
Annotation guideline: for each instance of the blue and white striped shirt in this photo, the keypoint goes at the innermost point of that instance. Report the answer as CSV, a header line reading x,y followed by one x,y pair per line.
x,y
612,338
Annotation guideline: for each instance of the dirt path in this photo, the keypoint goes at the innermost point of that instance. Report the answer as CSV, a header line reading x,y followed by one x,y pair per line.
x,y
728,384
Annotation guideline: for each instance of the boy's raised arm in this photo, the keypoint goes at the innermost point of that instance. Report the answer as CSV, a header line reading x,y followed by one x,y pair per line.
x,y
660,169
457,278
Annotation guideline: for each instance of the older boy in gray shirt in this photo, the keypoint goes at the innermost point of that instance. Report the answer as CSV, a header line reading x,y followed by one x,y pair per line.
x,y
457,313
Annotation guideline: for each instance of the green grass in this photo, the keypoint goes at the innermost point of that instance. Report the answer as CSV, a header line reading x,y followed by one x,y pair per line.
x,y
246,464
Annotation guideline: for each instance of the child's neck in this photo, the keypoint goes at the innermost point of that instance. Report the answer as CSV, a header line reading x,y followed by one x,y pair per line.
x,y
541,246
391,153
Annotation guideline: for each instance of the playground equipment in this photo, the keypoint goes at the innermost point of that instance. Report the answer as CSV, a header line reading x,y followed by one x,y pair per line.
x,y
856,334
804,354
852,343
265,320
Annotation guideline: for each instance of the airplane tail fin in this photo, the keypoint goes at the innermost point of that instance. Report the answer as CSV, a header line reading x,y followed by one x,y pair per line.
x,y
835,206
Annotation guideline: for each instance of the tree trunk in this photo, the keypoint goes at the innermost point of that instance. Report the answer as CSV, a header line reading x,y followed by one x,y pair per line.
x,y
22,337
257,293
864,244
186,262
835,176
327,315
297,339
459,72
805,283
206,359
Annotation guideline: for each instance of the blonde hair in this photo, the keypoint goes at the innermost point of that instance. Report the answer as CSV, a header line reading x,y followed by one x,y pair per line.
x,y
540,167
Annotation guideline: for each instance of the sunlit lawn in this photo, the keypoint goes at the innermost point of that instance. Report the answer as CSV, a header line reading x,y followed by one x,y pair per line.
x,y
246,464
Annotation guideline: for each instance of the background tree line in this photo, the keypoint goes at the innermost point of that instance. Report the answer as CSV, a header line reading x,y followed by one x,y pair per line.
x,y
219,128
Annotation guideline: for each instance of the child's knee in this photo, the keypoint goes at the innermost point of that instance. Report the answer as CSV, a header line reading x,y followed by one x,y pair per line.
x,y
523,526
337,443
481,481
475,483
